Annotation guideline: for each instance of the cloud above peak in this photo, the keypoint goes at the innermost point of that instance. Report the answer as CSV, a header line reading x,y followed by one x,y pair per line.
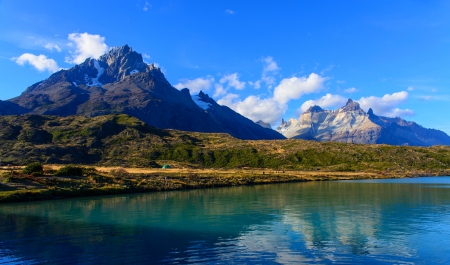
x,y
295,87
271,109
40,62
254,107
86,45
196,85
233,81
387,105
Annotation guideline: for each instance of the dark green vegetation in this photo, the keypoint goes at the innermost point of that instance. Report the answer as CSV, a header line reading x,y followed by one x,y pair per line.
x,y
121,140
35,169
69,170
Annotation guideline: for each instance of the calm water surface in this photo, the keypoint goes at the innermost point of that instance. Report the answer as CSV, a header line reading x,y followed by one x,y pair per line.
x,y
405,221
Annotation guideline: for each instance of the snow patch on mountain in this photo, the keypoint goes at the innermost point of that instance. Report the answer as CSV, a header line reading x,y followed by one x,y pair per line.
x,y
200,103
100,71
134,72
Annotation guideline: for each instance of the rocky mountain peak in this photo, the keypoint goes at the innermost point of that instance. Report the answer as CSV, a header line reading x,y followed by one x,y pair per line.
x,y
351,106
205,98
314,108
119,62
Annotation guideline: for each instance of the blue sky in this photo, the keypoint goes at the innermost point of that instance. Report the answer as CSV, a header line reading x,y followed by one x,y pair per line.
x,y
267,60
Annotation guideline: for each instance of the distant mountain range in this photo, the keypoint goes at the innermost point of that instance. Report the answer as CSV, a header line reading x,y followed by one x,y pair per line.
x,y
351,124
121,82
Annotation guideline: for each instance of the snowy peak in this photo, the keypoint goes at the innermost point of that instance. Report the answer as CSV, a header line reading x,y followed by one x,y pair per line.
x,y
202,100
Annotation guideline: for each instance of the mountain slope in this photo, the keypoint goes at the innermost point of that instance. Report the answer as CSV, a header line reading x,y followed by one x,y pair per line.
x,y
351,124
121,82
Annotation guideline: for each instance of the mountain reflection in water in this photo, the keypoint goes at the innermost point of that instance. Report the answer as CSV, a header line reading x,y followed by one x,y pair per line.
x,y
377,222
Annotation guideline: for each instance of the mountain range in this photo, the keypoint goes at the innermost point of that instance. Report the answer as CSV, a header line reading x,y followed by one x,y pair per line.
x,y
120,82
351,124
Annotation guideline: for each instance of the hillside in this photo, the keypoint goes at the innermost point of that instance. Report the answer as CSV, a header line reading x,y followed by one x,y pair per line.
x,y
125,141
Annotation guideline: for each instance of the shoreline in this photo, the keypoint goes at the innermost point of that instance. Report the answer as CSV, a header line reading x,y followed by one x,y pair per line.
x,y
114,180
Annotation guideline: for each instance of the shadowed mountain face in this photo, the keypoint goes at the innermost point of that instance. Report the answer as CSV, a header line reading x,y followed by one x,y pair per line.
x,y
351,124
121,82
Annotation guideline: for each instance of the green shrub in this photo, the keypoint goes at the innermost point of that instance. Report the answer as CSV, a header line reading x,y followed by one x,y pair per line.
x,y
69,170
7,178
35,169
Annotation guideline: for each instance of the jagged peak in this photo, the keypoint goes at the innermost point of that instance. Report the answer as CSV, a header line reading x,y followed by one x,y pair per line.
x,y
204,97
119,50
203,100
314,108
185,92
351,106
293,121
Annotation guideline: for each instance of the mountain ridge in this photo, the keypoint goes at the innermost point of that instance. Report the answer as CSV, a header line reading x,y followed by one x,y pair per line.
x,y
351,124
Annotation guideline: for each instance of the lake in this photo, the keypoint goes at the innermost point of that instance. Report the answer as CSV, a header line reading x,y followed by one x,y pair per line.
x,y
401,221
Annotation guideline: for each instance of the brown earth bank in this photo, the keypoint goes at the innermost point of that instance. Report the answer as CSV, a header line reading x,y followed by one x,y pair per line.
x,y
16,186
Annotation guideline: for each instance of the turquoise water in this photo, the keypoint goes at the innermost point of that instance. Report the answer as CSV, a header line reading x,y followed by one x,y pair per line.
x,y
405,221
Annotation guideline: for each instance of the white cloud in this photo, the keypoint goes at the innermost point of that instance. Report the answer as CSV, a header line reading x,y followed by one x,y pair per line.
x,y
146,56
51,46
410,88
87,45
295,87
256,84
387,105
269,110
351,90
229,12
220,91
340,81
233,81
253,107
400,113
196,85
269,70
326,101
40,62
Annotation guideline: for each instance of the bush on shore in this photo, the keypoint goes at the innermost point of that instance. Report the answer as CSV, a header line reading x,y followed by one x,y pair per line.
x,y
34,169
69,170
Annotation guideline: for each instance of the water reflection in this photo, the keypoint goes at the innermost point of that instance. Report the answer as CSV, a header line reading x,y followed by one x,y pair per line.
x,y
325,223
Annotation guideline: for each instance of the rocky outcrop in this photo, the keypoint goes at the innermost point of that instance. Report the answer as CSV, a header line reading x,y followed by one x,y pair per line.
x,y
351,124
121,82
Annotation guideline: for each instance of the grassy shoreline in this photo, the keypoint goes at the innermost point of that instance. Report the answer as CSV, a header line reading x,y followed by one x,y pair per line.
x,y
114,180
